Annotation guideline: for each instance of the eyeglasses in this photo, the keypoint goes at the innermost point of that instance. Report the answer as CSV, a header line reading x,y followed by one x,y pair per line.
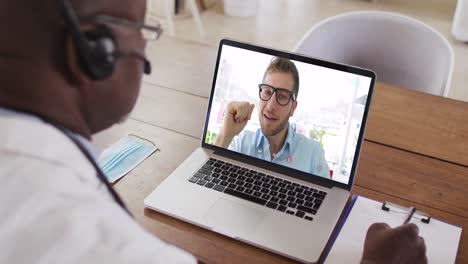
x,y
283,96
150,29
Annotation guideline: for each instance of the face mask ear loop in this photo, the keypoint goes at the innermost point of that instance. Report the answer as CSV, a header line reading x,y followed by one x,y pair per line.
x,y
147,140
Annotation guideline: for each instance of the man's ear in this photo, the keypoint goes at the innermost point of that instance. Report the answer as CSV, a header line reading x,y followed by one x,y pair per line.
x,y
293,108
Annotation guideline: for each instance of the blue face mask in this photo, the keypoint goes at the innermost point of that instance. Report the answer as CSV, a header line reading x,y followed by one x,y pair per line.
x,y
124,156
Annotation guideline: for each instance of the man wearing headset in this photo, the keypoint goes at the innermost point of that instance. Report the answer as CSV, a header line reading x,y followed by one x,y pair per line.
x,y
69,69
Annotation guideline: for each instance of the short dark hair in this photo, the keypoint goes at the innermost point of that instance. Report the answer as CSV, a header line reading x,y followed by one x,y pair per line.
x,y
278,64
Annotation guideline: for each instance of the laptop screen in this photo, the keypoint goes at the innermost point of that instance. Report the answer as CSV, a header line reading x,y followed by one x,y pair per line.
x,y
289,110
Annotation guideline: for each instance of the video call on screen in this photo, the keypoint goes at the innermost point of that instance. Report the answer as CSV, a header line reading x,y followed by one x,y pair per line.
x,y
328,116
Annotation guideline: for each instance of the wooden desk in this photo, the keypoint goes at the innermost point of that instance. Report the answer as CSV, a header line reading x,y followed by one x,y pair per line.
x,y
415,153
422,123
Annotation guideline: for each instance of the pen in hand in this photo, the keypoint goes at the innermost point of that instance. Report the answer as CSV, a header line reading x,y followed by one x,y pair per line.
x,y
410,215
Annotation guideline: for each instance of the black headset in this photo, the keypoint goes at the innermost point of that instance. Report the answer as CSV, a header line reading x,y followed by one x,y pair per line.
x,y
96,48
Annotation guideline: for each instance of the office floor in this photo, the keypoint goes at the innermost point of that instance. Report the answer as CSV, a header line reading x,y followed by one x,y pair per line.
x,y
185,62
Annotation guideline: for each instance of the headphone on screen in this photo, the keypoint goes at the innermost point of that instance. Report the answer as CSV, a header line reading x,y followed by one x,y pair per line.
x,y
96,49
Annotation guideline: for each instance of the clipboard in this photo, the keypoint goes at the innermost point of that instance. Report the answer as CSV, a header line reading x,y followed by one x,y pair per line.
x,y
398,209
442,239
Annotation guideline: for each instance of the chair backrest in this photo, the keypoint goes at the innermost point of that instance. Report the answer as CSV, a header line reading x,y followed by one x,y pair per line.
x,y
401,50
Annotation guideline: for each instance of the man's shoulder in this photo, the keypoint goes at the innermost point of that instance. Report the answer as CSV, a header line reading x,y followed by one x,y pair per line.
x,y
36,175
41,142
37,156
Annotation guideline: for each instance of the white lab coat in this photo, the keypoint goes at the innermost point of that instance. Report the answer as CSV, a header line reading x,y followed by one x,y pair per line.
x,y
53,208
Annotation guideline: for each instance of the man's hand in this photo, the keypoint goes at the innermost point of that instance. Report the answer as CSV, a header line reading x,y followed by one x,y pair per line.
x,y
394,245
235,119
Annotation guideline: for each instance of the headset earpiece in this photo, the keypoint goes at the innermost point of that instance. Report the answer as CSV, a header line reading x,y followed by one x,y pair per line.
x,y
100,53
95,48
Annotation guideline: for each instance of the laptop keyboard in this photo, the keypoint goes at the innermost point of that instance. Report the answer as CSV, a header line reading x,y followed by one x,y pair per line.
x,y
272,192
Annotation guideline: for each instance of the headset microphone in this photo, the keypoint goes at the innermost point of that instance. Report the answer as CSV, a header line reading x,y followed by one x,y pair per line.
x,y
146,64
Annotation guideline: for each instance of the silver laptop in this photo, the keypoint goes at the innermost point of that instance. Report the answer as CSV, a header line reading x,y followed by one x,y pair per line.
x,y
280,179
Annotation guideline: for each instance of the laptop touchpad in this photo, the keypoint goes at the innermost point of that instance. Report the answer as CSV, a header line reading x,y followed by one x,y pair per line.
x,y
233,218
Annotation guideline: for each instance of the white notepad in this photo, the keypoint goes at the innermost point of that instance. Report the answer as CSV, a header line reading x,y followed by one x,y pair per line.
x,y
441,239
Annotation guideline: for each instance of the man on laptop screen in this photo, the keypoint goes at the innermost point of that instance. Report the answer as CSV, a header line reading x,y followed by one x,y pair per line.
x,y
276,140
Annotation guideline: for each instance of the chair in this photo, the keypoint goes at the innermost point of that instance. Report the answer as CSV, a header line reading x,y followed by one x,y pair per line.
x,y
460,21
168,9
401,50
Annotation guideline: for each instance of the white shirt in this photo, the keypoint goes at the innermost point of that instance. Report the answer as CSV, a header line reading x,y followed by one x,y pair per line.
x,y
53,208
